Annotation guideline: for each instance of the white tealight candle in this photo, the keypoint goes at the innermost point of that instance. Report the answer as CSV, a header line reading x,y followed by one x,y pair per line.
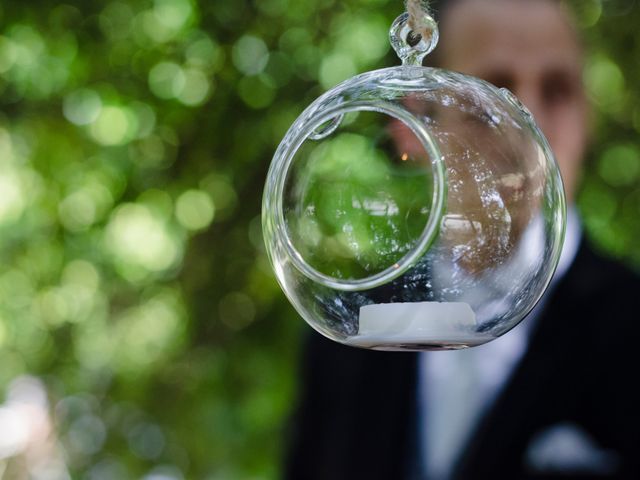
x,y
423,324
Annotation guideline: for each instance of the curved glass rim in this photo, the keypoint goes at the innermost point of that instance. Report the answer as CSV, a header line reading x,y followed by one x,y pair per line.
x,y
437,206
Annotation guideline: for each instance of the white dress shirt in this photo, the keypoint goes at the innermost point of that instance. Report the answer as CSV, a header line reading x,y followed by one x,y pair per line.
x,y
457,387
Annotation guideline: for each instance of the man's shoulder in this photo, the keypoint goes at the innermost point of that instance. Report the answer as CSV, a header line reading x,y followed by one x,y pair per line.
x,y
596,275
598,299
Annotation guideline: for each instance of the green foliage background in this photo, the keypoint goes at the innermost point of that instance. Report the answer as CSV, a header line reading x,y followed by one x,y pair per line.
x,y
135,137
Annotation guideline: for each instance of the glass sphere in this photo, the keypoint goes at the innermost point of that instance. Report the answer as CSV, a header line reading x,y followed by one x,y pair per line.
x,y
414,208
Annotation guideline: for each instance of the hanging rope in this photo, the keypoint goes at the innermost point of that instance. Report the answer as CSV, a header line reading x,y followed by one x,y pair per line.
x,y
418,10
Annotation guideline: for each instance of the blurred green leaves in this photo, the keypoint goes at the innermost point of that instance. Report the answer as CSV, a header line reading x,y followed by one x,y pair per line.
x,y
609,197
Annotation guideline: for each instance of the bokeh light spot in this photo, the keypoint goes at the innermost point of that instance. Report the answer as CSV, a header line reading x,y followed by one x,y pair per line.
x,y
588,12
224,196
250,55
77,211
81,272
146,118
107,469
273,8
173,14
28,46
116,20
52,306
365,39
164,472
195,89
195,210
605,82
166,19
115,125
87,435
7,54
620,165
82,107
257,92
167,80
13,201
335,68
598,204
148,332
137,237
203,53
146,441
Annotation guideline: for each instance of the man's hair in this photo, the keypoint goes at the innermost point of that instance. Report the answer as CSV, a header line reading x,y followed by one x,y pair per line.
x,y
439,7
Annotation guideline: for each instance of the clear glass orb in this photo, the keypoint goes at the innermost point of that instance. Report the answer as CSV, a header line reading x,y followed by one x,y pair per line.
x,y
413,208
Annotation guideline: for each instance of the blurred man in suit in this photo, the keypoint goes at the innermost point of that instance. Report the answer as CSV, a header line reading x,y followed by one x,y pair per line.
x,y
554,398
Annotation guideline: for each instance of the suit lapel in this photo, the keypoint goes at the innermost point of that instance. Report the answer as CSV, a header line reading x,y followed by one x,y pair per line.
x,y
544,388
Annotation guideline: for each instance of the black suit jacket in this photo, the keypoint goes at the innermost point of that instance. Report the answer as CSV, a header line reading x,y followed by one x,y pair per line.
x,y
357,410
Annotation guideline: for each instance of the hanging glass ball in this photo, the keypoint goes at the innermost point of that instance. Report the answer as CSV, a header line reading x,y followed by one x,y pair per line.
x,y
414,208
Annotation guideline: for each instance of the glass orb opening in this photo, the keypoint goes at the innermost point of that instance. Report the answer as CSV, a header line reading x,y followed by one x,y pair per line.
x,y
357,209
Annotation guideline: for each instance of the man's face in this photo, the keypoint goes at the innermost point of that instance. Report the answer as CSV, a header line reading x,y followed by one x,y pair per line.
x,y
529,47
